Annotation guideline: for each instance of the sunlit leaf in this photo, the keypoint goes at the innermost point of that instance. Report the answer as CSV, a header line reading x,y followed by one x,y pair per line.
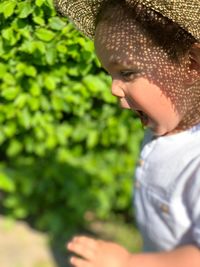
x,y
25,9
44,34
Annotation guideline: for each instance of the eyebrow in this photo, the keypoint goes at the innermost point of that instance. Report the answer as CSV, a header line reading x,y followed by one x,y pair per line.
x,y
125,64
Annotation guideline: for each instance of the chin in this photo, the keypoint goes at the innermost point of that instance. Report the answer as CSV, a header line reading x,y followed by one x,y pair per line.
x,y
160,133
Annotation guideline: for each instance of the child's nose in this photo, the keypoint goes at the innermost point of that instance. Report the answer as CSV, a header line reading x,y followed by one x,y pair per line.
x,y
117,89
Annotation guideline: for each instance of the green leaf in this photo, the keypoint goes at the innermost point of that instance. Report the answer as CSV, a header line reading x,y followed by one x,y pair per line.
x,y
50,83
9,79
92,139
61,47
34,103
44,34
94,83
10,129
14,148
9,35
20,213
25,9
31,71
2,49
33,46
21,100
39,20
8,8
25,33
56,23
44,103
25,118
6,183
35,89
11,202
51,55
39,2
3,69
10,93
23,68
51,141
57,102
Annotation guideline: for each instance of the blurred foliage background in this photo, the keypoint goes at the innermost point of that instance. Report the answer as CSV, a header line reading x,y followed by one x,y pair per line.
x,y
66,148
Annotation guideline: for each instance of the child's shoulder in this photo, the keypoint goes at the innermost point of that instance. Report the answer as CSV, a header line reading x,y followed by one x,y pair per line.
x,y
171,160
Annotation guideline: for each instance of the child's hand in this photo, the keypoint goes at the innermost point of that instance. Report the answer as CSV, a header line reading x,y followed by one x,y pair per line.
x,y
97,253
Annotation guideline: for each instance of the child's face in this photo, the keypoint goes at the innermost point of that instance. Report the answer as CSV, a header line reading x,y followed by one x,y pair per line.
x,y
144,79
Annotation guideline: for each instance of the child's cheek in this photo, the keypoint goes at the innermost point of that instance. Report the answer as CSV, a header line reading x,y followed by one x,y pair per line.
x,y
170,80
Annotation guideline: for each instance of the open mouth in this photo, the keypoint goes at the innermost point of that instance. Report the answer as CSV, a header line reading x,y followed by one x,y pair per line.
x,y
143,117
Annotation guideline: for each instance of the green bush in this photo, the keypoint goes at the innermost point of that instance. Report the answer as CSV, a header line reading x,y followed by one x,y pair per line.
x,y
66,147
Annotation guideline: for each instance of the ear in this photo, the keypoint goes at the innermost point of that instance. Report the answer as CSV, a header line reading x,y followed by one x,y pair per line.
x,y
194,64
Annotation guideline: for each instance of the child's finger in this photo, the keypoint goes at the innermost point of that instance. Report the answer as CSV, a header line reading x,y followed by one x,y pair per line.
x,y
77,262
83,251
88,241
85,241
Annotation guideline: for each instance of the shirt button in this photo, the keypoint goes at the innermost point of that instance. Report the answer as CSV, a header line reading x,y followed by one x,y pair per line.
x,y
164,208
137,184
141,162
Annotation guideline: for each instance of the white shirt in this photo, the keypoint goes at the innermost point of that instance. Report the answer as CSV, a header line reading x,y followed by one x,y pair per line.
x,y
167,190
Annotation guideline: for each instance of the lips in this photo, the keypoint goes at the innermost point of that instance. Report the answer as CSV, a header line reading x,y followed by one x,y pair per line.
x,y
127,104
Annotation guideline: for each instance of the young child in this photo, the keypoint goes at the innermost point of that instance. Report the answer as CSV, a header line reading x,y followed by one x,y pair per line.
x,y
152,51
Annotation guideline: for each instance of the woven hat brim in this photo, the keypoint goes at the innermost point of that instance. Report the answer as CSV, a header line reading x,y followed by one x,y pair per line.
x,y
83,13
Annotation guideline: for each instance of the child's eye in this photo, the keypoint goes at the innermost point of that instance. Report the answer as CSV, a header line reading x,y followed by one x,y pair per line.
x,y
128,74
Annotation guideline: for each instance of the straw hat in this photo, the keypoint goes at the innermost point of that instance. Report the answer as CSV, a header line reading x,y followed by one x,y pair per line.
x,y
84,12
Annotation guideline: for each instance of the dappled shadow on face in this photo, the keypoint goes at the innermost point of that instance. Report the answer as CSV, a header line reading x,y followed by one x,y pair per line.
x,y
123,43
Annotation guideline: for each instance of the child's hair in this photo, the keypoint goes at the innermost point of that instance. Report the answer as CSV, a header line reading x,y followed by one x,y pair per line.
x,y
165,33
